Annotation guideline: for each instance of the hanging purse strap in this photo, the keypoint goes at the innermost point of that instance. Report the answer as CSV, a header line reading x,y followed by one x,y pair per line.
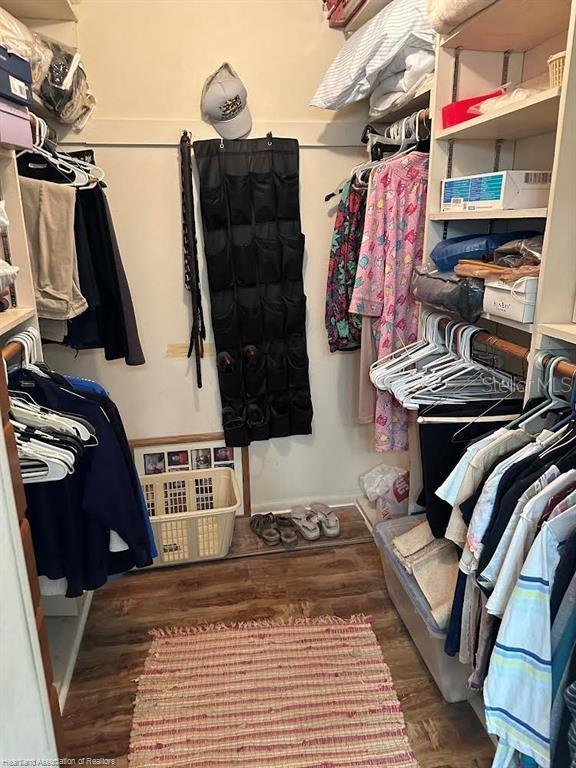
x,y
190,246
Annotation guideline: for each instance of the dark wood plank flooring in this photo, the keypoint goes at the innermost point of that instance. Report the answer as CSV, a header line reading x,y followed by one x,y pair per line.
x,y
340,581
353,530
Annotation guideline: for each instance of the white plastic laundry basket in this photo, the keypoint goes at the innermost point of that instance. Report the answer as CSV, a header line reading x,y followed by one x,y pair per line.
x,y
556,68
192,514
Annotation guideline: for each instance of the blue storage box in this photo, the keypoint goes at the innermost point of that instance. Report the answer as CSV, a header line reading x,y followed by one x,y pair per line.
x,y
15,78
449,252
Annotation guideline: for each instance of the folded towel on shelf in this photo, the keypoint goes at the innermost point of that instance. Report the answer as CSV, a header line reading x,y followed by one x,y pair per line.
x,y
413,540
436,575
434,564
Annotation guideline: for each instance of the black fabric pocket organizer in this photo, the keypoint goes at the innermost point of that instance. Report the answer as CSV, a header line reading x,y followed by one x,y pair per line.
x,y
263,196
236,432
225,320
295,315
255,371
220,269
249,191
292,256
297,362
301,412
258,420
287,206
273,319
277,371
213,204
229,365
269,260
280,416
250,315
245,263
238,188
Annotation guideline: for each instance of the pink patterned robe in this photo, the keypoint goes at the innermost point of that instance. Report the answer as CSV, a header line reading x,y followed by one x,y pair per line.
x,y
392,245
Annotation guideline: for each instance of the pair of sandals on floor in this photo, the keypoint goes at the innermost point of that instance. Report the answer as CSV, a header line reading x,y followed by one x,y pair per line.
x,y
310,523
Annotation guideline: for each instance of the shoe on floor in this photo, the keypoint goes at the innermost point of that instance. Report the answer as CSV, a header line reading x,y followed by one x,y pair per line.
x,y
326,519
305,522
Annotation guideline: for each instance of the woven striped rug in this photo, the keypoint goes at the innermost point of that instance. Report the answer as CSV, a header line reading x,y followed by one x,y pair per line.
x,y
302,693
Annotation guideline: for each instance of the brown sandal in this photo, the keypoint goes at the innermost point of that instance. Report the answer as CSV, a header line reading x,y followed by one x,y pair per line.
x,y
264,526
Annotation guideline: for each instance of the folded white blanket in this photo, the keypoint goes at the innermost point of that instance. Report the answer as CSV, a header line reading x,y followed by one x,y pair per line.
x,y
446,15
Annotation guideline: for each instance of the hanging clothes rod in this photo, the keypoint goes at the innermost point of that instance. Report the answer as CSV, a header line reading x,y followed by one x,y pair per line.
x,y
11,350
516,350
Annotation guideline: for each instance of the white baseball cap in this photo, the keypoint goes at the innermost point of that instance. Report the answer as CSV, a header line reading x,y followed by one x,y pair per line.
x,y
224,103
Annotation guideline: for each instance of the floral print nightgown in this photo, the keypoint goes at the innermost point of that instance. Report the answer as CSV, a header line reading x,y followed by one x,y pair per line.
x,y
344,330
392,245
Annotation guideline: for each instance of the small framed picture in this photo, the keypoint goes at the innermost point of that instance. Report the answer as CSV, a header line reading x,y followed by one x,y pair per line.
x,y
223,454
154,463
201,458
178,460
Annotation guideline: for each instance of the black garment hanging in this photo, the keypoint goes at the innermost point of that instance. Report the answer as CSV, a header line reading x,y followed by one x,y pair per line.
x,y
109,322
249,192
440,452
191,272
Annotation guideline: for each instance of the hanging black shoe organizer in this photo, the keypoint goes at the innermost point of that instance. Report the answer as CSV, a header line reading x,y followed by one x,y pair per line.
x,y
249,193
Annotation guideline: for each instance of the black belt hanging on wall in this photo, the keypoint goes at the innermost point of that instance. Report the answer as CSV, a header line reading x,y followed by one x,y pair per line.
x,y
191,273
249,193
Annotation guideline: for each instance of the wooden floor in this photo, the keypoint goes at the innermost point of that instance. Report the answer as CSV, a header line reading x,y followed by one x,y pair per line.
x,y
340,581
353,530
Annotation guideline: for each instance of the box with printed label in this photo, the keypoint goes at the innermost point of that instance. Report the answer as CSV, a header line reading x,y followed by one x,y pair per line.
x,y
516,300
502,190
15,77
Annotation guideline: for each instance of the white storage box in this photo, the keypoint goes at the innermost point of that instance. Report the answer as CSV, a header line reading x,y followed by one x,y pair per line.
x,y
516,301
503,190
192,513
451,677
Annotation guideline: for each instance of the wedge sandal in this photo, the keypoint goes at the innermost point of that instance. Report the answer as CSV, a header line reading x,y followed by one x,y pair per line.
x,y
327,519
305,522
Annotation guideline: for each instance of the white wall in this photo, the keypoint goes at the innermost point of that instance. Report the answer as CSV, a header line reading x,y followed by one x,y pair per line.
x,y
147,61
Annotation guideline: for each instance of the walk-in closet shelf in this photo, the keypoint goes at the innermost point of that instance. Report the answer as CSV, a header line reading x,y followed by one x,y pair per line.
x,y
510,41
41,10
511,25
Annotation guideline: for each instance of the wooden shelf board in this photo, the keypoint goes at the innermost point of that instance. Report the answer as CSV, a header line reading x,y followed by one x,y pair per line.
x,y
44,10
531,117
11,318
524,213
508,322
420,100
560,331
511,25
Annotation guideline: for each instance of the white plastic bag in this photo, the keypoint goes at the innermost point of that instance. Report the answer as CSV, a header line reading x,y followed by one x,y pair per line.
x,y
388,487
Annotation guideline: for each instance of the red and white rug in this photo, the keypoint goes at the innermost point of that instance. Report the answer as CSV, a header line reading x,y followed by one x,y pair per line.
x,y
303,693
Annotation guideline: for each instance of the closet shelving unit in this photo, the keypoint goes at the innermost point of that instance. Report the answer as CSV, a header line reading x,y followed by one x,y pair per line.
x,y
65,618
510,41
